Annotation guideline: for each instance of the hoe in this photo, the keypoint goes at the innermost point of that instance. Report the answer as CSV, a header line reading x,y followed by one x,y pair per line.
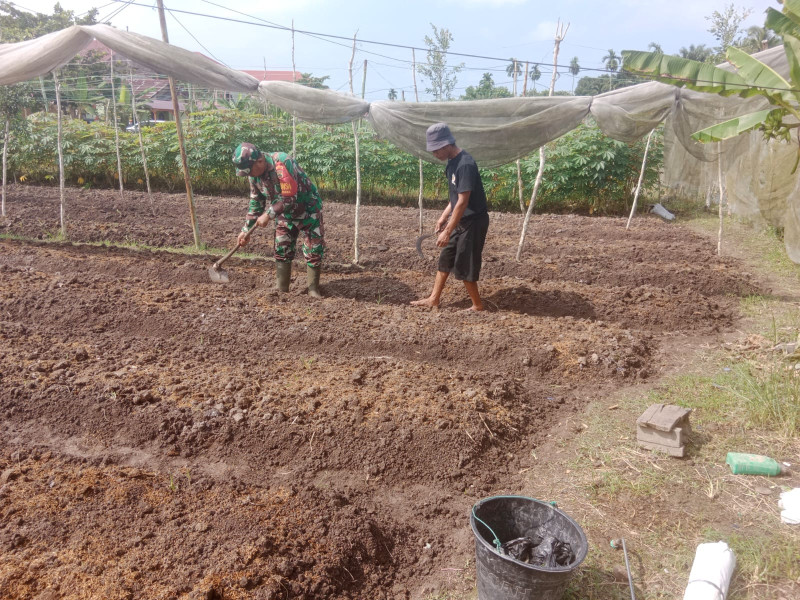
x,y
215,272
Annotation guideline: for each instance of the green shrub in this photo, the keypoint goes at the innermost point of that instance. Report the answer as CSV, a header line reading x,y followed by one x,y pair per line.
x,y
585,171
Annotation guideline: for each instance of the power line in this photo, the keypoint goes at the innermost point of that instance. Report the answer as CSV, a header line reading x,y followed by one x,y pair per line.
x,y
329,35
194,38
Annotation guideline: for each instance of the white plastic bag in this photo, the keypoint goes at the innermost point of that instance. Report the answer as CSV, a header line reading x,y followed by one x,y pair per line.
x,y
662,212
790,503
711,572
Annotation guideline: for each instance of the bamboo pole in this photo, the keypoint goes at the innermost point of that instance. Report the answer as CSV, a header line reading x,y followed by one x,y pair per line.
x,y
294,119
5,156
176,108
364,81
721,196
421,179
561,33
116,130
44,95
641,176
519,166
358,163
60,157
141,146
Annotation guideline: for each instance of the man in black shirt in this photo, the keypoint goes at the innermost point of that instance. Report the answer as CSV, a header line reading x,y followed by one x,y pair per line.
x,y
463,225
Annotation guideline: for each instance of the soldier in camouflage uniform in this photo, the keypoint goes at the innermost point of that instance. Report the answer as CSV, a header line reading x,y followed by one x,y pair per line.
x,y
294,204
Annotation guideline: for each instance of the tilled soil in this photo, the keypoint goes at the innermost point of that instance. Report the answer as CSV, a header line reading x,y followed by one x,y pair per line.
x,y
167,437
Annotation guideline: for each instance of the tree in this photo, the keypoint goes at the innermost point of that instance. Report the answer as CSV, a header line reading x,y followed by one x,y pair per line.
x,y
655,47
18,25
392,94
486,89
574,69
752,78
611,61
514,66
440,76
535,74
726,27
592,86
308,80
759,38
700,53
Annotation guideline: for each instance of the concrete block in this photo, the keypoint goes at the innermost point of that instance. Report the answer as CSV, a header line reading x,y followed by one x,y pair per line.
x,y
664,417
672,451
674,438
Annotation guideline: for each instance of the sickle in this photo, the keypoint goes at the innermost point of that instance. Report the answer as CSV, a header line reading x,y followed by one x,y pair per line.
x,y
421,239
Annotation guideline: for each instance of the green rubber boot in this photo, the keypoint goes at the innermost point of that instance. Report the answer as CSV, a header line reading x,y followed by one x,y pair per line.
x,y
312,273
283,272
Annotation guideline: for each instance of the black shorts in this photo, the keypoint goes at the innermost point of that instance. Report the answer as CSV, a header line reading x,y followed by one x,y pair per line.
x,y
463,254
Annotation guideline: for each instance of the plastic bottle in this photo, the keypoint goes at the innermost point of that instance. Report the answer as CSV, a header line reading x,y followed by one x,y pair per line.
x,y
754,464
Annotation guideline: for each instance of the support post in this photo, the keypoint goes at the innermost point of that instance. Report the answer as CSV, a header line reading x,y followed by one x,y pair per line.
x,y
358,163
294,119
5,157
176,108
561,32
141,145
60,157
641,176
721,196
116,129
421,179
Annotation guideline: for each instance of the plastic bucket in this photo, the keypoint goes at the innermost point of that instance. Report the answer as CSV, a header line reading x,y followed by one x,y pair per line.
x,y
502,577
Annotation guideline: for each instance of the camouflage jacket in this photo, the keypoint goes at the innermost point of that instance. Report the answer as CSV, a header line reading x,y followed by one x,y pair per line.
x,y
265,195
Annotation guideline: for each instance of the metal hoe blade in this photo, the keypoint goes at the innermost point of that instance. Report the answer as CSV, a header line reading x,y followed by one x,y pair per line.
x,y
217,274
421,239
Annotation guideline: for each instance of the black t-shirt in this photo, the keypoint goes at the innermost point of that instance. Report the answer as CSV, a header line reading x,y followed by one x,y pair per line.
x,y
463,176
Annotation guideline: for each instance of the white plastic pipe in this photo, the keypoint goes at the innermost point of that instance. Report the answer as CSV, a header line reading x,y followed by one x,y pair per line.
x,y
711,572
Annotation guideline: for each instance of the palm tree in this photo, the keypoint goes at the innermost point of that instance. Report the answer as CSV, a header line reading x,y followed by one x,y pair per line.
x,y
514,66
759,38
655,47
574,69
535,74
514,70
700,53
392,94
611,61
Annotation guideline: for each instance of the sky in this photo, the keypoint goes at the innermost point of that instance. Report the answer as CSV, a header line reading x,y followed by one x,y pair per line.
x,y
490,30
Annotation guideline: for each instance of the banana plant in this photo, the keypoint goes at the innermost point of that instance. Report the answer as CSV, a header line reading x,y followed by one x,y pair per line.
x,y
752,78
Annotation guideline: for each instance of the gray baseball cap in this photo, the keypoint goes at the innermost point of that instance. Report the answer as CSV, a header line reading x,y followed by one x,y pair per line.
x,y
438,136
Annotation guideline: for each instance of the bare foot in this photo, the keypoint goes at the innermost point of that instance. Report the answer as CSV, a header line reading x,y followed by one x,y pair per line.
x,y
472,308
425,303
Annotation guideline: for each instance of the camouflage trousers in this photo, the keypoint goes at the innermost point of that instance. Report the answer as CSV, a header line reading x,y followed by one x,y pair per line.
x,y
287,231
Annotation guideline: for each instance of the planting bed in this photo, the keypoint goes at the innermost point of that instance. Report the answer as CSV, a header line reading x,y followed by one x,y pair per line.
x,y
162,436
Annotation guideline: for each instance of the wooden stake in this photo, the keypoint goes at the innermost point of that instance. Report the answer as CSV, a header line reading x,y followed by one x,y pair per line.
x,y
294,119
416,96
561,32
641,175
358,162
141,144
721,195
5,155
60,157
116,129
176,108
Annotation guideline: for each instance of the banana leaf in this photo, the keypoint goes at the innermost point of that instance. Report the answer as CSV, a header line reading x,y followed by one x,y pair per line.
x,y
788,27
733,127
683,72
764,80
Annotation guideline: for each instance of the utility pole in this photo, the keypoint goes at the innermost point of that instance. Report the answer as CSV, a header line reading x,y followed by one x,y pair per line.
x,y
176,108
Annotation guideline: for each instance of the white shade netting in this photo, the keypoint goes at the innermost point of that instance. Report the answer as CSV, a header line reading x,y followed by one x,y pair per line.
x,y
757,175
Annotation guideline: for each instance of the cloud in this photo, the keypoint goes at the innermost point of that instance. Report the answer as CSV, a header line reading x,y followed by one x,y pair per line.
x,y
544,31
